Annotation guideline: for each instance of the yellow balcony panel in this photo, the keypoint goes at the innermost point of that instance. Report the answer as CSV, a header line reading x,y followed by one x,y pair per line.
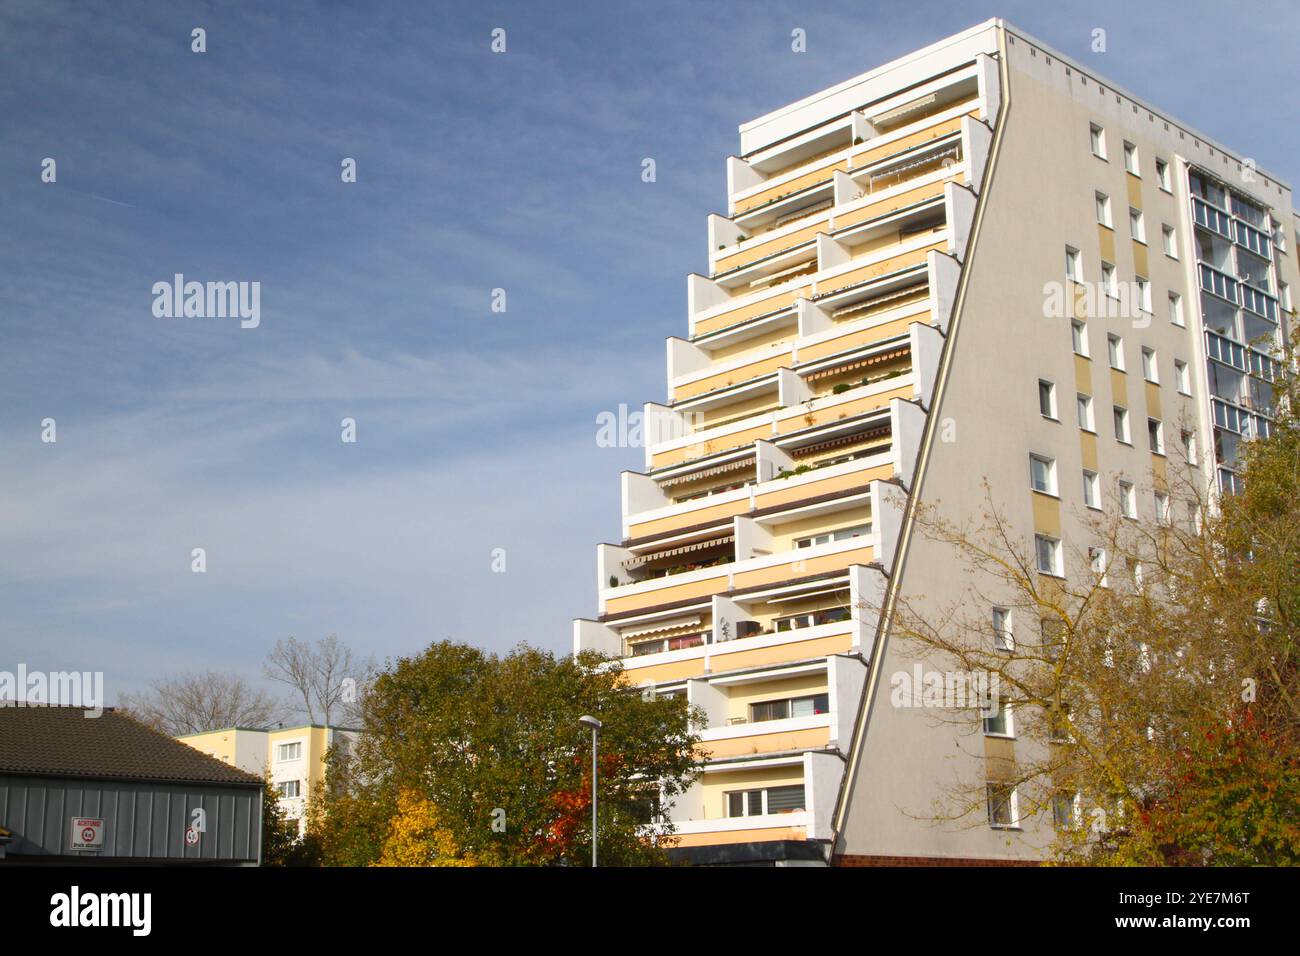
x,y
876,269
741,746
770,303
869,154
801,567
670,592
851,338
750,835
885,206
824,410
816,488
821,173
734,376
730,656
773,246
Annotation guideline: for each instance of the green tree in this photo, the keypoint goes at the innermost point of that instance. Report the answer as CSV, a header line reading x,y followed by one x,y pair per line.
x,y
281,845
494,744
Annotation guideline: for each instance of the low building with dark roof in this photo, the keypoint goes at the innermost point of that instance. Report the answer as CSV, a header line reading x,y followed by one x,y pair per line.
x,y
84,790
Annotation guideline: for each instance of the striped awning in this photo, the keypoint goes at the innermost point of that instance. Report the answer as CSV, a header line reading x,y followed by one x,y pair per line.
x,y
872,303
737,465
661,627
840,442
641,559
859,363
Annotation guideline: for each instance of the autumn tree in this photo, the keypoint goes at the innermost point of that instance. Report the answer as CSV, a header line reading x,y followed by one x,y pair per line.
x,y
485,755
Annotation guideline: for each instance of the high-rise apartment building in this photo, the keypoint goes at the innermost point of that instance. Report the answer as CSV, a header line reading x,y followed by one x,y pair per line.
x,y
876,328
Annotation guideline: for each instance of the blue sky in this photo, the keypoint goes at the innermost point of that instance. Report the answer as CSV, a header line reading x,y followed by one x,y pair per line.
x,y
476,430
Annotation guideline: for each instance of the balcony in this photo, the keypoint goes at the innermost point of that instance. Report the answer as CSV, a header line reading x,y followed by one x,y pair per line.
x,y
746,801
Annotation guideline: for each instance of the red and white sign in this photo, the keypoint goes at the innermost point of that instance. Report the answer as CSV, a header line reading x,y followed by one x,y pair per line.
x,y
87,833
191,837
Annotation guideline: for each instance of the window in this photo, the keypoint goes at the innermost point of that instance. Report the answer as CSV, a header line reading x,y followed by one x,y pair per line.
x,y
1189,446
289,788
1136,228
1079,337
1143,294
1098,561
1065,811
753,803
1150,368
1002,805
1176,309
1103,209
1181,377
1058,724
789,707
1047,554
291,751
1162,175
1086,422
1162,507
1073,265
841,534
1121,425
1127,499
1003,638
1115,351
999,725
1047,399
1169,241
1156,436
1131,159
1108,280
1042,474
1097,137
1091,489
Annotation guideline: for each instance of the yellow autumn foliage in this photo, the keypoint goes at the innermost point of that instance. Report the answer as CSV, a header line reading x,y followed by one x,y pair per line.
x,y
417,837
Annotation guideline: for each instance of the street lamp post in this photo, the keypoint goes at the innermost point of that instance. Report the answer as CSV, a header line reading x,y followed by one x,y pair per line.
x,y
588,721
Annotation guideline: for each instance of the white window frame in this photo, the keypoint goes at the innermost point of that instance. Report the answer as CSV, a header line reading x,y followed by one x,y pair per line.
x,y
1005,710
1169,239
1137,225
1004,634
1079,337
1073,264
1013,807
1091,489
1103,209
1131,164
1108,280
1051,400
1115,351
1098,561
1054,552
1159,435
1049,465
1084,408
1164,512
1176,310
282,747
1097,140
1162,174
1150,365
1182,377
1127,499
1127,436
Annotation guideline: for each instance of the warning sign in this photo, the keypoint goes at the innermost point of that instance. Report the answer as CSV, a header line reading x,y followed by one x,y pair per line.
x,y
87,833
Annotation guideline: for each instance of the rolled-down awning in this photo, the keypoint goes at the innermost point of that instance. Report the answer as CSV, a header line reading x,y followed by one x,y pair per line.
x,y
859,363
840,442
680,624
709,472
641,559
